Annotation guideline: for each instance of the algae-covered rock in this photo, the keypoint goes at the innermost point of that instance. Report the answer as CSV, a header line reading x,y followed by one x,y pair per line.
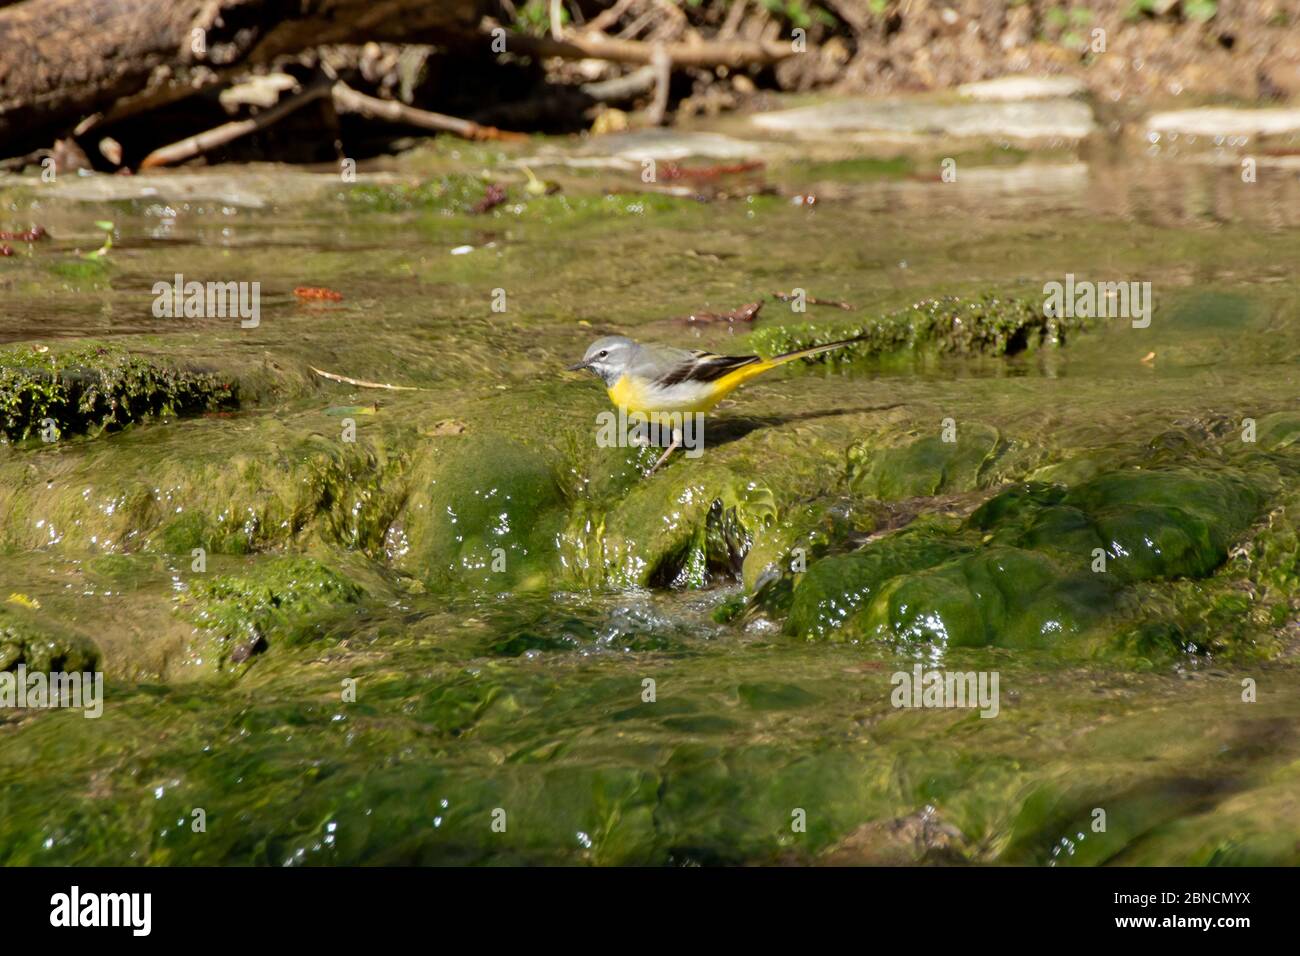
x,y
1033,566
451,194
947,326
837,587
278,599
680,533
1278,431
1169,523
997,597
802,533
26,638
94,389
927,465
481,511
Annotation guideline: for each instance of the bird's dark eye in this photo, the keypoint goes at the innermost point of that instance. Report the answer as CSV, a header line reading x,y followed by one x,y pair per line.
x,y
603,353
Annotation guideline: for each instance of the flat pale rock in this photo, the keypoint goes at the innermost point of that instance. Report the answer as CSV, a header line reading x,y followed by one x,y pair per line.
x,y
1225,121
664,144
1037,119
1016,88
253,187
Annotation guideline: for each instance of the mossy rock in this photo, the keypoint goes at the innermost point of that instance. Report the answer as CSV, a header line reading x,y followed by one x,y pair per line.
x,y
484,511
289,600
1036,566
26,638
837,587
450,194
949,326
94,389
813,528
685,529
1280,430
1001,597
926,466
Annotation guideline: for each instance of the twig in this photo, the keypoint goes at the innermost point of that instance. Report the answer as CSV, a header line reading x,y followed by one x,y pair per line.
x,y
193,146
557,27
663,67
734,15
344,99
31,159
621,87
359,383
607,18
639,24
737,53
348,100
674,23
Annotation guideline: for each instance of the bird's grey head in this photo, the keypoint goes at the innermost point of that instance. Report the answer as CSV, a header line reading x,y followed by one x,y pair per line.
x,y
607,357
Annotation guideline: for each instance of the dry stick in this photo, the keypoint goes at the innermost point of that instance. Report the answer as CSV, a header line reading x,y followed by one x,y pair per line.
x,y
637,25
673,13
192,146
607,18
734,54
346,100
359,383
732,23
557,28
621,87
663,67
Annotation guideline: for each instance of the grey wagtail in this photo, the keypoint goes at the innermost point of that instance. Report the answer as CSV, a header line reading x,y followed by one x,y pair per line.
x,y
660,379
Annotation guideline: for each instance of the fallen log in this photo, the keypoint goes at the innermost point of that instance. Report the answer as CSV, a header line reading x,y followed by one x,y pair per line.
x,y
62,60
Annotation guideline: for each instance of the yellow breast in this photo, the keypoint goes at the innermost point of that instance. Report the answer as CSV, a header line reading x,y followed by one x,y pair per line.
x,y
644,398
625,394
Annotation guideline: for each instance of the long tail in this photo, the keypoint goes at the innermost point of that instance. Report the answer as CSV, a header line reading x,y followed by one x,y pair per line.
x,y
815,350
745,372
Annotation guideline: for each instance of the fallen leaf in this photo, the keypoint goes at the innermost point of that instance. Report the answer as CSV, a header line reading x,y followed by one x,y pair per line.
x,y
493,196
308,292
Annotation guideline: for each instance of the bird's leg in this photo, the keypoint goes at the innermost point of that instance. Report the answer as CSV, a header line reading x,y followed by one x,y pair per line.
x,y
677,443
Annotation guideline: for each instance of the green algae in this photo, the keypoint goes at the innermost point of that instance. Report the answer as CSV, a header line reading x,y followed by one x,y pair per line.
x,y
483,511
1036,566
92,389
989,325
523,690
457,196
28,638
290,600
927,466
451,194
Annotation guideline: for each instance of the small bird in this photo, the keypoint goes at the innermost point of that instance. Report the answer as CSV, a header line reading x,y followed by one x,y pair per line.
x,y
660,379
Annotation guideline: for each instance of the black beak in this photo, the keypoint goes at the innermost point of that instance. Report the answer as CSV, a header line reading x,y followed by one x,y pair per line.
x,y
579,367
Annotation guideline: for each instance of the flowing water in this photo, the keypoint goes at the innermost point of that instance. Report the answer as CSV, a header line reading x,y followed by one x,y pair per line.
x,y
472,636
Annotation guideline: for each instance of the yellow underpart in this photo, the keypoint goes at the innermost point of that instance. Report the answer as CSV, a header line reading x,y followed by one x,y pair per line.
x,y
641,396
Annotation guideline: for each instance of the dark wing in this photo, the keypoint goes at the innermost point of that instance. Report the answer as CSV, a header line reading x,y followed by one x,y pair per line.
x,y
705,367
